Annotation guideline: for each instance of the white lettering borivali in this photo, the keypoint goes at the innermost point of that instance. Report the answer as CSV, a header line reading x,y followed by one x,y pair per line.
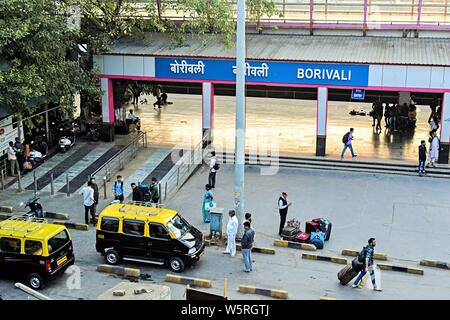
x,y
261,71
324,74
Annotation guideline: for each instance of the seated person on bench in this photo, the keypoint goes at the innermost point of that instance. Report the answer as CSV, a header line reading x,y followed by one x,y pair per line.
x,y
132,117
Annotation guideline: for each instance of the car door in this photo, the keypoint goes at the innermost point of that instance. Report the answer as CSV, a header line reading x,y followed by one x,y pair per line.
x,y
12,259
160,244
133,241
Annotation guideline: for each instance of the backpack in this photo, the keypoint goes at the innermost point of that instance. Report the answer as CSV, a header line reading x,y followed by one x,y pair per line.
x,y
145,192
216,166
115,185
362,255
345,137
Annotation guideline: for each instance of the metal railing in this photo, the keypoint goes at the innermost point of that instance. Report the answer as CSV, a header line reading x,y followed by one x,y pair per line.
x,y
183,169
117,162
3,170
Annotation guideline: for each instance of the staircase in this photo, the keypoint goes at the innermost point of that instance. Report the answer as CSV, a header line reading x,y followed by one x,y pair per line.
x,y
390,167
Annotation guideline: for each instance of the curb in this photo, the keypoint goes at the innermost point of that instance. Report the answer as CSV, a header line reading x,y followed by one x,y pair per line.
x,y
354,253
401,269
120,271
324,258
204,283
71,225
294,245
327,298
56,215
7,209
435,264
274,293
257,250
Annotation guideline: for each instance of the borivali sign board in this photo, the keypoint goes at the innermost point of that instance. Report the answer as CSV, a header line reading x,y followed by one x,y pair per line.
x,y
264,71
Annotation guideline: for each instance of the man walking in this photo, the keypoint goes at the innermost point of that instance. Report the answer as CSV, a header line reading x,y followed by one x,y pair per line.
x,y
12,158
117,189
232,228
19,148
247,245
94,187
212,170
347,140
422,157
283,206
88,201
154,192
366,257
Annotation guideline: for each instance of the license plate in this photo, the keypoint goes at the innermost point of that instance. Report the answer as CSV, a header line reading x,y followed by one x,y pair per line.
x,y
60,261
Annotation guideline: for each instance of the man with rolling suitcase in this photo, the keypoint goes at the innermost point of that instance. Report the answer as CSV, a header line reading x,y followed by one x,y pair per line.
x,y
366,258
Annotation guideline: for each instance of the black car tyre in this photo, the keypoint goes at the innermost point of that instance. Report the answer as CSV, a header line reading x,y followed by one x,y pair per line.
x,y
35,281
176,264
112,257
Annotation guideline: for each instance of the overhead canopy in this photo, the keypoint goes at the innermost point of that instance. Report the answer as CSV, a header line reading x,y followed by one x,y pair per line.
x,y
333,49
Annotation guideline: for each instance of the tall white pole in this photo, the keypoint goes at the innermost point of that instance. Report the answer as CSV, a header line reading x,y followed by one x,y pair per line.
x,y
239,169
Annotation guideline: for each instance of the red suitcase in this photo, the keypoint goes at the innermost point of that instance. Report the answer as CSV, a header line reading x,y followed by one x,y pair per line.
x,y
311,226
302,237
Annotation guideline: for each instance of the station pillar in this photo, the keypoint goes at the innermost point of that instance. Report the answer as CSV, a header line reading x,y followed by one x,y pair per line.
x,y
445,129
207,110
107,109
321,121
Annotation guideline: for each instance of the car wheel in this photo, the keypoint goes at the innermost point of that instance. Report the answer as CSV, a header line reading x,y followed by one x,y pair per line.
x,y
35,281
176,264
112,257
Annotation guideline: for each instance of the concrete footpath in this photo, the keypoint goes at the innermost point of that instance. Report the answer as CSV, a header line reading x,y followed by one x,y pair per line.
x,y
409,216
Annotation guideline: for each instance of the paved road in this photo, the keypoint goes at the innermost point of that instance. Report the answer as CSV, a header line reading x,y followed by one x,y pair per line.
x,y
409,216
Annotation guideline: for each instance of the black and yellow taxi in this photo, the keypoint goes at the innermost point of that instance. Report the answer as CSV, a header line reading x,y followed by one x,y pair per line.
x,y
33,250
139,233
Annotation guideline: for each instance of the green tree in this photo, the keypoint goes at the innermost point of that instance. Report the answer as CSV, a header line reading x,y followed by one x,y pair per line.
x,y
35,65
257,9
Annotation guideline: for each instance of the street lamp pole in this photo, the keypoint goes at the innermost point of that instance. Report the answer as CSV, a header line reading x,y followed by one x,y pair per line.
x,y
239,169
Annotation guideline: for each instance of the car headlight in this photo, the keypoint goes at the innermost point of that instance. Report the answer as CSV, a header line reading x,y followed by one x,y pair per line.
x,y
192,250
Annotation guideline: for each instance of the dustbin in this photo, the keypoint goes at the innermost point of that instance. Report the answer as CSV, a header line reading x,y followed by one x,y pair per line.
x,y
215,225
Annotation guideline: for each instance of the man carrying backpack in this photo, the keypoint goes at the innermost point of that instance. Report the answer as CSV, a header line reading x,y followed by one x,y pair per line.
x,y
366,258
117,189
347,141
154,192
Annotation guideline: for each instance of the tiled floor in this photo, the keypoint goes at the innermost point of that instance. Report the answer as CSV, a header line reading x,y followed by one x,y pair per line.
x,y
288,124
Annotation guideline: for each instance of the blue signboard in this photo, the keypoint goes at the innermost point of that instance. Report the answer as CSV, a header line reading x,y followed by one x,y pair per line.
x,y
358,94
264,71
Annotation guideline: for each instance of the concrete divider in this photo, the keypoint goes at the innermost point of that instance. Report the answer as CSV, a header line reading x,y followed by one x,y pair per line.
x,y
327,298
274,293
435,264
204,283
71,225
120,271
56,215
324,258
354,253
257,250
400,269
7,209
294,245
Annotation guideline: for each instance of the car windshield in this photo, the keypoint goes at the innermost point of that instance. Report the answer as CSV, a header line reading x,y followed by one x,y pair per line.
x,y
178,226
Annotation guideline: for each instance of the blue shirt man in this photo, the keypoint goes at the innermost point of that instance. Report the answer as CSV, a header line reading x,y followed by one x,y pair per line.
x,y
117,189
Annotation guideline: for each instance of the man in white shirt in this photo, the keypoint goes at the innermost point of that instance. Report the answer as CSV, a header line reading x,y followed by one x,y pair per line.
x,y
212,171
88,201
232,228
13,159
283,206
132,117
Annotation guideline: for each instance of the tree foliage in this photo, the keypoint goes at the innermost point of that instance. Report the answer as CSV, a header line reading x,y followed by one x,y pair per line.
x,y
257,9
34,46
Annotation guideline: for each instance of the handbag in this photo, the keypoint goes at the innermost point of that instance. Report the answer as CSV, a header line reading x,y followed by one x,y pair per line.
x,y
27,165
